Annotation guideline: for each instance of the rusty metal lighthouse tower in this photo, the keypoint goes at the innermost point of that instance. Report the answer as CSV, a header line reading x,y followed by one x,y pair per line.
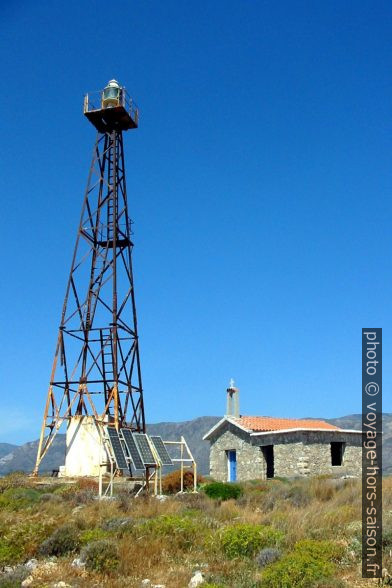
x,y
96,376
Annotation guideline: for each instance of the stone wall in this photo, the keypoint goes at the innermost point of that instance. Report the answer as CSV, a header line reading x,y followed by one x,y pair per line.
x,y
250,461
309,453
301,453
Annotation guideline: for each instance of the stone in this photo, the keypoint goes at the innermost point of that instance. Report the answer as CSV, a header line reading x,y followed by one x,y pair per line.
x,y
27,582
146,582
8,569
47,566
61,584
161,497
78,563
196,580
31,564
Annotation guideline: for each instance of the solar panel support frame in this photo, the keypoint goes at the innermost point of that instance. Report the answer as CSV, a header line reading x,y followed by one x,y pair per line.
x,y
185,462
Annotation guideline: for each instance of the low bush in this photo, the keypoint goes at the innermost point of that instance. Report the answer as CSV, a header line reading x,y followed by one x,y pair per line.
x,y
87,484
191,501
83,491
171,483
295,494
50,497
239,574
14,578
354,550
101,556
327,550
244,540
222,491
117,524
124,499
63,540
15,480
311,561
21,540
252,493
10,553
18,498
180,529
267,556
297,570
92,535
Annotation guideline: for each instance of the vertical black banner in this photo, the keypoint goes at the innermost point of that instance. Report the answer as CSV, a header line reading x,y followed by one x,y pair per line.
x,y
371,453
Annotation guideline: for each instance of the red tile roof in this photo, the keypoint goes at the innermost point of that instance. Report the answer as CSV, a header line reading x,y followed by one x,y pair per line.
x,y
277,424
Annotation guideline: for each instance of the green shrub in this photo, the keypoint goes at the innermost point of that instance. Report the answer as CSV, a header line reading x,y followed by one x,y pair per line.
x,y
92,535
222,491
182,530
18,498
327,550
10,553
20,541
244,540
297,570
101,556
63,540
310,562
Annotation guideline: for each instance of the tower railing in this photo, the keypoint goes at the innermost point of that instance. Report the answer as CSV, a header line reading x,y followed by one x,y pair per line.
x,y
93,102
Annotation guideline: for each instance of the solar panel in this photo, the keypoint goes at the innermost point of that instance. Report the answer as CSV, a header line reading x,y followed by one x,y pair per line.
x,y
161,450
144,449
118,451
132,448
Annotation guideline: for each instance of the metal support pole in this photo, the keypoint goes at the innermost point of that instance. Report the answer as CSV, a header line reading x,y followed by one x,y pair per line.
x,y
182,465
194,477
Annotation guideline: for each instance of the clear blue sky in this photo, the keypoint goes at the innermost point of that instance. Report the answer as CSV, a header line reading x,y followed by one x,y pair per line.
x,y
259,181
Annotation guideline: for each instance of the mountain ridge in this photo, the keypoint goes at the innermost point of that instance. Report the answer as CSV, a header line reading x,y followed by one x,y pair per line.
x,y
22,457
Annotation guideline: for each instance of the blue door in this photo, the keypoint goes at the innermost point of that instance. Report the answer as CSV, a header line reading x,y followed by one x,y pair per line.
x,y
232,458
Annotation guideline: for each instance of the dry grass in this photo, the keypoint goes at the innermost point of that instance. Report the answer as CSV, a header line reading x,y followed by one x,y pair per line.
x,y
166,541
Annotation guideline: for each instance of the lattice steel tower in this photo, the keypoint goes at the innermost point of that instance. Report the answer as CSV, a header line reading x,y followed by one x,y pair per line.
x,y
96,367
